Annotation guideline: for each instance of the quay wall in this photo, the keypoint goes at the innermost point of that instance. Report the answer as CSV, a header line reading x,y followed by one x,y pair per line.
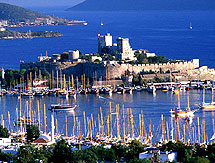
x,y
114,70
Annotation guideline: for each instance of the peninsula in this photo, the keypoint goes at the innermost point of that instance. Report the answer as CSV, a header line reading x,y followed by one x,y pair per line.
x,y
8,34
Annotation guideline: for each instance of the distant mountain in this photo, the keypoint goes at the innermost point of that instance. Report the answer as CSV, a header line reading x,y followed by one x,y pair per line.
x,y
15,14
115,5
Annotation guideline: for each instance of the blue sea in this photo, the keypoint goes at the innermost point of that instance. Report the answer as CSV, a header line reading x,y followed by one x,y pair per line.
x,y
166,33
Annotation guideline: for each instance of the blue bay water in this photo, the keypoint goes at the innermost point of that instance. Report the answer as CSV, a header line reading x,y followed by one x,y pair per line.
x,y
165,33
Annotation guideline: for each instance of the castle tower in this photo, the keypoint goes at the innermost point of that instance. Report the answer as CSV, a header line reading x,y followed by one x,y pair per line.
x,y
124,49
104,41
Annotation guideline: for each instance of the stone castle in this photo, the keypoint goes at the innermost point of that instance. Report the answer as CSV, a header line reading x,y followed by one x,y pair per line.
x,y
122,51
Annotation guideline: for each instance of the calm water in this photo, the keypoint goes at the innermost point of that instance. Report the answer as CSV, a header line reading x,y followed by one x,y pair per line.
x,y
152,106
165,33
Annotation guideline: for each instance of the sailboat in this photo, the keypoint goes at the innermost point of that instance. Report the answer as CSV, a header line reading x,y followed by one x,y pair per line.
x,y
182,113
207,106
191,27
102,24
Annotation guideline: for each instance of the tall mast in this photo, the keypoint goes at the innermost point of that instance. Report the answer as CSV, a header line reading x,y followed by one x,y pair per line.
x,y
140,124
132,124
45,125
198,130
53,85
92,124
61,81
20,114
84,80
123,117
72,81
176,135
117,120
184,133
203,95
193,135
108,129
102,122
143,127
212,95
56,126
74,126
213,124
84,124
52,126
38,107
88,82
187,132
179,136
57,79
64,81
167,130
128,117
2,120
99,127
77,82
150,132
203,126
95,127
69,83
66,127
9,120
111,129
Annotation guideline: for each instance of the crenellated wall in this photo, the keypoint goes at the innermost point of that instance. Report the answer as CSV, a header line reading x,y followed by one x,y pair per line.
x,y
115,70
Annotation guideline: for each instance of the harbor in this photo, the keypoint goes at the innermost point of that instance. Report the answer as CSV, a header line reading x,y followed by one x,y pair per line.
x,y
134,114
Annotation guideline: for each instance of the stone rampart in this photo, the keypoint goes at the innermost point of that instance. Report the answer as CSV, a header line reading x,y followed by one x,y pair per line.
x,y
114,70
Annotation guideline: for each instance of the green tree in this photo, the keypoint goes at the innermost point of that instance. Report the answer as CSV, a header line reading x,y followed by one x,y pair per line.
x,y
134,149
89,156
7,157
119,151
199,160
62,152
33,133
78,156
184,152
211,152
4,132
25,154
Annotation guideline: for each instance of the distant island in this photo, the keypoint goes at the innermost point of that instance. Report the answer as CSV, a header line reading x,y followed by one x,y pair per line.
x,y
13,16
126,5
8,34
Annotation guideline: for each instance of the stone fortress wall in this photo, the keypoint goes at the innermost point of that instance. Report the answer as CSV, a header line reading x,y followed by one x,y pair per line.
x,y
115,70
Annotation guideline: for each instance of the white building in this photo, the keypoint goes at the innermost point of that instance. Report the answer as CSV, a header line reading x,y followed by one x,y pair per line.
x,y
150,55
43,58
96,58
124,49
163,156
74,55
